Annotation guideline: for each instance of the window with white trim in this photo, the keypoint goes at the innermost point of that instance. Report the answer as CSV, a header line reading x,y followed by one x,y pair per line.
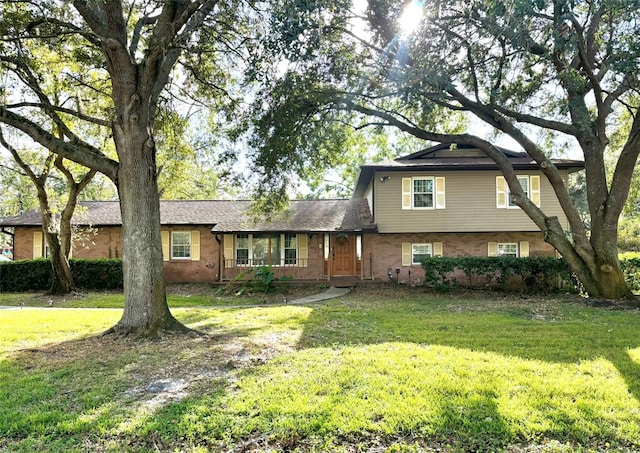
x,y
507,249
419,252
524,183
422,195
290,249
270,249
180,245
242,249
515,249
423,192
414,253
530,186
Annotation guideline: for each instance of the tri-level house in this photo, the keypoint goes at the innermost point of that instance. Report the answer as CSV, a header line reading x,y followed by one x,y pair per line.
x,y
441,201
453,201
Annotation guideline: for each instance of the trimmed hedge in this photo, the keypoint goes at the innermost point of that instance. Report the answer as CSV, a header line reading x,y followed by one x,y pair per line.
x,y
97,274
630,263
27,275
36,275
531,274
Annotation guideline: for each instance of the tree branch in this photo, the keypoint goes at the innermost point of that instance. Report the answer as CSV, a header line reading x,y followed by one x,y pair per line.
x,y
79,152
79,115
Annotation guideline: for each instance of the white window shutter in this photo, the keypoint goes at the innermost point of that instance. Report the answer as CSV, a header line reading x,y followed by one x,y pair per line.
x,y
406,254
492,250
406,193
535,189
165,245
303,250
524,249
195,245
501,192
437,249
37,244
440,199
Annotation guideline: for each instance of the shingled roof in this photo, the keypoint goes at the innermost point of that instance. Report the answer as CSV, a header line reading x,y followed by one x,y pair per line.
x,y
227,216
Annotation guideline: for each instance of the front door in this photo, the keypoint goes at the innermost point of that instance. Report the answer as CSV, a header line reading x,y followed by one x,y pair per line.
x,y
343,255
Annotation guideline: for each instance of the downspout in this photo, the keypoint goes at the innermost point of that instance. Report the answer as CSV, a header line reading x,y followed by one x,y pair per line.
x,y
219,241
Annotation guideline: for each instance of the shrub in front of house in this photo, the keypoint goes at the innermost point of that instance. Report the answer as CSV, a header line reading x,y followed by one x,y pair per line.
x,y
97,274
530,274
36,275
25,275
630,263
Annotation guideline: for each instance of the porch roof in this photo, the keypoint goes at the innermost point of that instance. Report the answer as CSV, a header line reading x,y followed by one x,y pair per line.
x,y
314,216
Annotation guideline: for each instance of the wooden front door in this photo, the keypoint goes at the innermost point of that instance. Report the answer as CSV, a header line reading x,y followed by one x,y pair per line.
x,y
343,255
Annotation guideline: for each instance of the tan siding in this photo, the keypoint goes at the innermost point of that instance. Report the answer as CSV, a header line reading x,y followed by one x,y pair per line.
x,y
471,205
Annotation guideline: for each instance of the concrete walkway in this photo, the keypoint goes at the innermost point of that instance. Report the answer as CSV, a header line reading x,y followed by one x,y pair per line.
x,y
331,293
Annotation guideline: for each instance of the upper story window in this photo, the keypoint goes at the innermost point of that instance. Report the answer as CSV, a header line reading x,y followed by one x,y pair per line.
x,y
423,192
530,186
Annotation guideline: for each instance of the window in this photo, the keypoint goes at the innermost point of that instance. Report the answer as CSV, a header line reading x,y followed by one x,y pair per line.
x,y
507,249
413,254
423,192
242,249
290,249
514,249
530,186
267,249
419,252
524,183
180,245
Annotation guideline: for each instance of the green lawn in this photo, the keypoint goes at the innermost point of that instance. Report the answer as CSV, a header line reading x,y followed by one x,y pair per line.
x,y
398,372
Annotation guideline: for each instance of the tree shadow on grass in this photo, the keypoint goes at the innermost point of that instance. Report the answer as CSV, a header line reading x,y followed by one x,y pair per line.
x,y
564,352
82,394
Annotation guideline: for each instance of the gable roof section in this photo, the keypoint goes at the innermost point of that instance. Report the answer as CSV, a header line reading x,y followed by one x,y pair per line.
x,y
314,216
443,157
227,216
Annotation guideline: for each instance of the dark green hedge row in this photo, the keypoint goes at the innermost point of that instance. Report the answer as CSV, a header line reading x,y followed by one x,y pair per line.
x,y
36,275
631,268
531,274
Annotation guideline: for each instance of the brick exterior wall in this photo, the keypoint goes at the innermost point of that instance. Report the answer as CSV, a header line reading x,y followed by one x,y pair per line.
x,y
187,271
386,249
379,252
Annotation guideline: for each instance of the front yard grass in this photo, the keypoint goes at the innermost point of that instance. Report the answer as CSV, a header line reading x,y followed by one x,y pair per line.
x,y
390,371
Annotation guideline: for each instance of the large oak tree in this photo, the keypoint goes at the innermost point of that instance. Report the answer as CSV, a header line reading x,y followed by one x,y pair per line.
x,y
551,75
127,51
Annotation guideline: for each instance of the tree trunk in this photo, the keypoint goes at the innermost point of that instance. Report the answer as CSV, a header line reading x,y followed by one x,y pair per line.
x,y
146,311
62,278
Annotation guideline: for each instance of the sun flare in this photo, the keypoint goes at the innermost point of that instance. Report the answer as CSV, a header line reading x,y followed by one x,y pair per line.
x,y
411,17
